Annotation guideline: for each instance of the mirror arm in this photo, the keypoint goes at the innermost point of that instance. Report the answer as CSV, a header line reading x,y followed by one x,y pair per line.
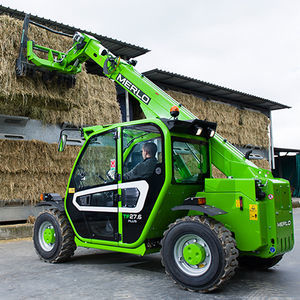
x,y
61,135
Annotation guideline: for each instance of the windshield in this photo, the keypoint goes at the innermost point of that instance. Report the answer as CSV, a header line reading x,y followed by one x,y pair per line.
x,y
98,157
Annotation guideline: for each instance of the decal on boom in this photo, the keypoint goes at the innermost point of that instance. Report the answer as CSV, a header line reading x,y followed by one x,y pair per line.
x,y
133,89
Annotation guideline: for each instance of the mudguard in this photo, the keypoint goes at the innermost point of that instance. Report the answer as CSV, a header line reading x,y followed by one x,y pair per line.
x,y
206,209
52,200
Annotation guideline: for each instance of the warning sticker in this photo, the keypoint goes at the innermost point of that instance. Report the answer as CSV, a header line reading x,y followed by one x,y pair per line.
x,y
112,164
238,203
71,190
253,210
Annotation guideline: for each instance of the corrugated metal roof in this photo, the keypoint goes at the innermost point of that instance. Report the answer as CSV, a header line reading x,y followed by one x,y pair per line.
x,y
118,48
202,88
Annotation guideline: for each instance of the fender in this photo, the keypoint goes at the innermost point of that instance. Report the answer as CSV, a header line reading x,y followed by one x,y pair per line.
x,y
52,200
206,209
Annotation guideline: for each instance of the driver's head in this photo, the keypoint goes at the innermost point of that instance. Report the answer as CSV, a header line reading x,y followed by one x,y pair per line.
x,y
149,150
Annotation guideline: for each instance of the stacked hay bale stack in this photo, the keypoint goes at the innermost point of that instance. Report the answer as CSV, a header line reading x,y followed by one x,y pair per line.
x,y
31,167
241,127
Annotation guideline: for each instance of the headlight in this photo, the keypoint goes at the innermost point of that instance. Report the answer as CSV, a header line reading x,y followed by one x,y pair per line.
x,y
199,131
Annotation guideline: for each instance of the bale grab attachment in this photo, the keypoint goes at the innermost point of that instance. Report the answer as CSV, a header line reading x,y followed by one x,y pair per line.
x,y
51,66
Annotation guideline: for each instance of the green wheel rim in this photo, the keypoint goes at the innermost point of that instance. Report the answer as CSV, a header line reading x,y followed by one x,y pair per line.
x,y
194,254
49,235
200,259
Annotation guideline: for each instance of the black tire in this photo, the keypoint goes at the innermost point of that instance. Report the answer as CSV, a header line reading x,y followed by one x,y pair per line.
x,y
220,255
258,263
63,245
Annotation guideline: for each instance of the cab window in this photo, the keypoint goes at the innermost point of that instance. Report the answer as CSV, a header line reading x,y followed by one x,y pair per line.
x,y
190,161
98,158
135,139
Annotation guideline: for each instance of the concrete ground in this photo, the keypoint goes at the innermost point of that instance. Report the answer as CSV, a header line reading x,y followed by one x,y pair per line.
x,y
8,232
94,274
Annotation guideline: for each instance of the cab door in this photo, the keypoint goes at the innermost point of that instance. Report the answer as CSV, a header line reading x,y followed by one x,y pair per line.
x,y
93,206
139,190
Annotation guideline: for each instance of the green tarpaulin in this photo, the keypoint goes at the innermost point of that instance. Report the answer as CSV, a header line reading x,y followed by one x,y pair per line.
x,y
288,167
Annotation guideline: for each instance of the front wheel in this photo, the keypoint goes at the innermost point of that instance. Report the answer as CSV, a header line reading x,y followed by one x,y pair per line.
x,y
53,237
199,253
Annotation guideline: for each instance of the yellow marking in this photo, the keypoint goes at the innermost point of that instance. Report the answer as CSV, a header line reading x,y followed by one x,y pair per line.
x,y
253,212
237,203
71,190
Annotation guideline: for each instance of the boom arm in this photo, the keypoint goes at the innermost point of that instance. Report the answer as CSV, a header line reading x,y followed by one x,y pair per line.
x,y
154,102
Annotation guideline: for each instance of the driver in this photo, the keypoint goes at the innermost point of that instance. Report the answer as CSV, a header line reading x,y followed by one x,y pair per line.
x,y
145,168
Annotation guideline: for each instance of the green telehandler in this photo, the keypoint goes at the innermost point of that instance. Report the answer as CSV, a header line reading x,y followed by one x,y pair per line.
x,y
203,226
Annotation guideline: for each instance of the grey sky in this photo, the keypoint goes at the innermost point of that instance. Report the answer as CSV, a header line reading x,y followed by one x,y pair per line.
x,y
252,46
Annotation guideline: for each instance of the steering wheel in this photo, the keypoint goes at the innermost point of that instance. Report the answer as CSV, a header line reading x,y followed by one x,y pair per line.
x,y
101,178
80,177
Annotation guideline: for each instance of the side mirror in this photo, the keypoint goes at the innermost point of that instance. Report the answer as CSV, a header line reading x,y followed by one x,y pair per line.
x,y
62,142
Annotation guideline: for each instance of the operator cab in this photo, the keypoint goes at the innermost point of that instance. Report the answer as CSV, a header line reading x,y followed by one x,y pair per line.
x,y
105,203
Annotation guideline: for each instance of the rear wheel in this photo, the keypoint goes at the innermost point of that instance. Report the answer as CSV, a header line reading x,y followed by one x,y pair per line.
x,y
53,236
259,263
199,253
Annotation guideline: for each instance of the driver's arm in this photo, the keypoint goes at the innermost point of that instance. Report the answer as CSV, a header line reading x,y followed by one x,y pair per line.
x,y
142,170
133,173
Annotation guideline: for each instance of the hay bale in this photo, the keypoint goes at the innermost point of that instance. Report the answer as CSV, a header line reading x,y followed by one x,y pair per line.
x,y
92,101
262,163
34,157
225,115
239,126
222,113
216,173
250,118
254,128
29,168
25,187
253,136
229,132
194,104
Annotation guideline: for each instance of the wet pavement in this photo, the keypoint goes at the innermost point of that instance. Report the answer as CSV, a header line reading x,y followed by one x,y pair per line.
x,y
94,274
